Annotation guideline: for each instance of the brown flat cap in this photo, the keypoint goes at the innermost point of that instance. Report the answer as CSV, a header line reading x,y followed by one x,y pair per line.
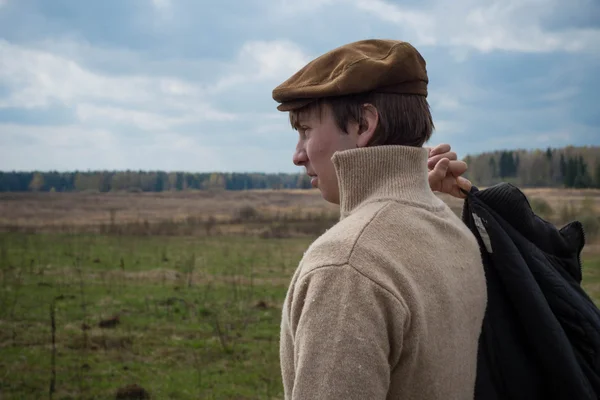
x,y
374,65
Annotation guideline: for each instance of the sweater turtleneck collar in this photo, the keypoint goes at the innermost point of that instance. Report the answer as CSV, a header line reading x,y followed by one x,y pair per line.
x,y
383,173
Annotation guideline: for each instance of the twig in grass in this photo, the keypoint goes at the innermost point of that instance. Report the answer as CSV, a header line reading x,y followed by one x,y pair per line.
x,y
251,288
198,368
191,267
81,286
221,334
53,356
3,254
18,284
84,335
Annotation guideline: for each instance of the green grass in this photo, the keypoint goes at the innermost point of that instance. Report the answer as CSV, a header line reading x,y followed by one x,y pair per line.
x,y
591,277
199,317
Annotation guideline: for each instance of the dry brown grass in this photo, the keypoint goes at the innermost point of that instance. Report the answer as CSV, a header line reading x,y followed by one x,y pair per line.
x,y
168,212
558,197
73,209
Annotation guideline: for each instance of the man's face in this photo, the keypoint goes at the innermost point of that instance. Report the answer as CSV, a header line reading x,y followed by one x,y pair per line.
x,y
320,137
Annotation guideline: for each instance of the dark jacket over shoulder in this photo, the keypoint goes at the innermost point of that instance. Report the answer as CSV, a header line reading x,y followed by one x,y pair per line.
x,y
541,331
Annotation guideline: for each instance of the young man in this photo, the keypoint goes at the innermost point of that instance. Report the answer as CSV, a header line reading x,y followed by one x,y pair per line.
x,y
388,303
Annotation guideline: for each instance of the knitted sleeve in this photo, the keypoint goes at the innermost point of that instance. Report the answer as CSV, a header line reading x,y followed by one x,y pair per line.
x,y
347,333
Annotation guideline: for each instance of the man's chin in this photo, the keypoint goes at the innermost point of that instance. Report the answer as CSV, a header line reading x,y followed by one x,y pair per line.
x,y
329,197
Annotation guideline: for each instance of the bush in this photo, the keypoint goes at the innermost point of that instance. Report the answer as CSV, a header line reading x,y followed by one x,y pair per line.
x,y
587,206
568,213
541,207
246,213
276,231
591,225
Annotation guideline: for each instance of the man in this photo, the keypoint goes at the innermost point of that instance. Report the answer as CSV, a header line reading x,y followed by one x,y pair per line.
x,y
389,302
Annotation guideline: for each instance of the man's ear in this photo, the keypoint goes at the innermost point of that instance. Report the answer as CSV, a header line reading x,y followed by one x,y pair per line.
x,y
368,125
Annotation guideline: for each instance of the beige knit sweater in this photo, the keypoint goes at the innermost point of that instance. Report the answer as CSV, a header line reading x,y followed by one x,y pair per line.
x,y
388,303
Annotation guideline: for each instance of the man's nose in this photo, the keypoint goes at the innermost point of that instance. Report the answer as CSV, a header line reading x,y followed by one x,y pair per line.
x,y
300,158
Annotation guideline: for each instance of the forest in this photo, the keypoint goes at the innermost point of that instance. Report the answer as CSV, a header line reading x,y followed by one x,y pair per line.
x,y
569,167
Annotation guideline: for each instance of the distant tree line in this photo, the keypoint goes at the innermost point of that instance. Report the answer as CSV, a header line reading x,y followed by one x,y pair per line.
x,y
145,181
572,167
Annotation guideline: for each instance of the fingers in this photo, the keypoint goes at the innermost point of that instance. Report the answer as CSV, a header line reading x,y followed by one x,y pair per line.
x,y
439,149
445,171
464,183
457,168
434,159
437,175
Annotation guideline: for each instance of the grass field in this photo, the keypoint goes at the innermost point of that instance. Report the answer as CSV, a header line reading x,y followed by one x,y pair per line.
x,y
183,315
90,211
197,318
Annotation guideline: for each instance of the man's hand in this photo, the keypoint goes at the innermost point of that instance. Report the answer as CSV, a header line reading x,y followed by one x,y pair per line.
x,y
445,172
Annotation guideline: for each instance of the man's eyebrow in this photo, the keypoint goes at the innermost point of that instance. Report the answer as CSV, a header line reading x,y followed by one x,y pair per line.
x,y
299,121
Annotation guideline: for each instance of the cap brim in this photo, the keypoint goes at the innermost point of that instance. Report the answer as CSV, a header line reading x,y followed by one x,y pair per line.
x,y
294,104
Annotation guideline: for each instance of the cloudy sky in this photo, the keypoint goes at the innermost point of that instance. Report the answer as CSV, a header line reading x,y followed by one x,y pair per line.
x,y
186,84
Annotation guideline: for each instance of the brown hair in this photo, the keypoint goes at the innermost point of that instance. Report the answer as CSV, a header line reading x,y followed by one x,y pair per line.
x,y
404,119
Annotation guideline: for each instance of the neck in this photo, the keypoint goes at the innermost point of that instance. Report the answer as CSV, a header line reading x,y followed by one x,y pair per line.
x,y
383,173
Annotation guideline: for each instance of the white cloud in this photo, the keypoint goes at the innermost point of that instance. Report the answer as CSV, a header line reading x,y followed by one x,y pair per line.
x,y
422,24
466,25
164,13
280,131
38,79
290,7
263,61
105,106
23,147
446,127
73,147
162,4
484,26
561,94
91,113
273,59
559,137
148,121
441,101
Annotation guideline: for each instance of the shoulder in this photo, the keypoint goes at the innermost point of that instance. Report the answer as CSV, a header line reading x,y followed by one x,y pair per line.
x,y
336,245
401,226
